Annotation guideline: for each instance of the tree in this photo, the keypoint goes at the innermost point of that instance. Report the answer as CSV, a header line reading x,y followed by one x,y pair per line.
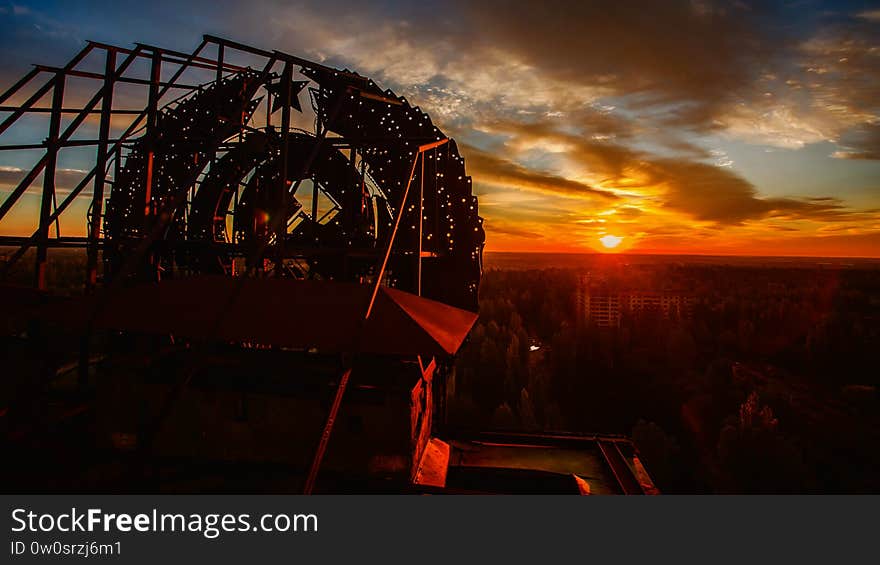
x,y
527,411
503,418
754,457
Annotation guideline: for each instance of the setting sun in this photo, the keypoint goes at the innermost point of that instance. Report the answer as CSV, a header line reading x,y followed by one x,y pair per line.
x,y
610,241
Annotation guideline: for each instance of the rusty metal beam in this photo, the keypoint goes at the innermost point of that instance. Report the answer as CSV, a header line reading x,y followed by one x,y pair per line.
x,y
312,477
239,46
36,96
429,146
281,229
48,195
127,80
66,110
74,143
100,172
69,131
280,56
188,60
17,86
421,228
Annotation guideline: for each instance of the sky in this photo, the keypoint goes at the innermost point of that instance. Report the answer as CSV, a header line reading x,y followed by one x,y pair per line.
x,y
694,126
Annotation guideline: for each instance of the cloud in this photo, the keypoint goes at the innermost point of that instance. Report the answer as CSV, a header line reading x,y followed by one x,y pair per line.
x,y
863,143
719,195
669,51
704,191
827,92
870,15
852,245
513,229
490,168
65,179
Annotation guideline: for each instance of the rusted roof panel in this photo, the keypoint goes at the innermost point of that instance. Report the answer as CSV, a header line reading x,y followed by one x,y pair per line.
x,y
325,315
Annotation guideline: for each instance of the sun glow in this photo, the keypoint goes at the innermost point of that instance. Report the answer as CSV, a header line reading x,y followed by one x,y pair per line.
x,y
610,241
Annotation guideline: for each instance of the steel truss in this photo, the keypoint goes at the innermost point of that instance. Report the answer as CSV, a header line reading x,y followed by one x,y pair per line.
x,y
202,175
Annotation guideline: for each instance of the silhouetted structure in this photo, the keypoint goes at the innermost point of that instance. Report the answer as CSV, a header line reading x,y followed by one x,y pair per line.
x,y
234,274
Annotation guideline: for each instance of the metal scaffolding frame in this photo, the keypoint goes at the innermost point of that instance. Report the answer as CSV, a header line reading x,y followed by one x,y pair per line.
x,y
164,69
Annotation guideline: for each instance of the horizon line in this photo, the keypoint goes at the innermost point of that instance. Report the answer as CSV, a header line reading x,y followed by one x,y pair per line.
x,y
686,254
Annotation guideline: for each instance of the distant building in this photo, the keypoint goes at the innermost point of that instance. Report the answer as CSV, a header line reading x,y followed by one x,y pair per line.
x,y
669,305
605,307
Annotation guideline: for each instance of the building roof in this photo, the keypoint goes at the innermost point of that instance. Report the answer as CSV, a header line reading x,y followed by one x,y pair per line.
x,y
513,467
525,463
326,316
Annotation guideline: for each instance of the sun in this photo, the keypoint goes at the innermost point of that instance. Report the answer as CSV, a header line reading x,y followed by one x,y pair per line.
x,y
610,241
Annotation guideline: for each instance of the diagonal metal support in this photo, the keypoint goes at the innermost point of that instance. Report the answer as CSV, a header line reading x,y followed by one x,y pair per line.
x,y
42,91
18,85
48,195
117,145
100,172
68,132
